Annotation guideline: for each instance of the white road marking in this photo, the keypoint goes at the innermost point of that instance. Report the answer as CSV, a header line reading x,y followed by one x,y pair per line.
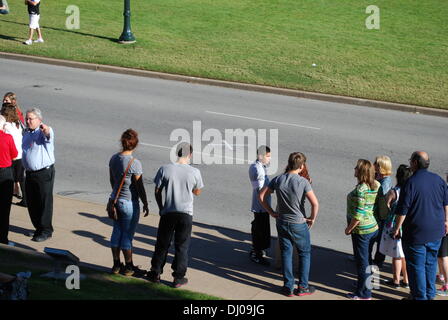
x,y
196,152
264,120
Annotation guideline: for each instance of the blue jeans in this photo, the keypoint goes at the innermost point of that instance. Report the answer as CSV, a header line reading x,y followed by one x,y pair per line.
x,y
421,264
124,227
292,235
363,246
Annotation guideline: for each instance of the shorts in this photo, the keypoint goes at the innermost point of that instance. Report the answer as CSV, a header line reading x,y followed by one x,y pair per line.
x,y
443,251
34,21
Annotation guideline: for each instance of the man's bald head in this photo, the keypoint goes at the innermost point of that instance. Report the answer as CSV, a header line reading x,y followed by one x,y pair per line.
x,y
420,160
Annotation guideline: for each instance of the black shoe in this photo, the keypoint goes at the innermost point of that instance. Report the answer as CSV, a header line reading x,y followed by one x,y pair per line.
x,y
405,285
153,276
22,204
392,284
305,291
41,237
179,282
260,260
138,273
287,292
17,196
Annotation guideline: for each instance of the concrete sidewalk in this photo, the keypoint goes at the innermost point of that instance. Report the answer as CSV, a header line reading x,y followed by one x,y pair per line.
x,y
219,261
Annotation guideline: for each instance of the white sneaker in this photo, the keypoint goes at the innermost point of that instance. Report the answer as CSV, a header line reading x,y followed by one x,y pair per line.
x,y
28,42
40,40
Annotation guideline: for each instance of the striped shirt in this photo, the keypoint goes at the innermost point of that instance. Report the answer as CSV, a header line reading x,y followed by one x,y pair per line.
x,y
360,206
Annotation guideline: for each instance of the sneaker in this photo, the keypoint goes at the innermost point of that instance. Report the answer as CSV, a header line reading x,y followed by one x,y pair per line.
x,y
28,42
443,292
405,285
305,291
260,260
353,296
117,268
40,40
440,279
138,273
392,284
153,276
287,292
128,270
179,282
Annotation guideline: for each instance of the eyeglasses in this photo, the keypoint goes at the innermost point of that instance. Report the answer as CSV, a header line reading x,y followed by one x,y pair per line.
x,y
30,119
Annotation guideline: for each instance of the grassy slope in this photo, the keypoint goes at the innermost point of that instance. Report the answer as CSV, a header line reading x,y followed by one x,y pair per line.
x,y
98,286
268,42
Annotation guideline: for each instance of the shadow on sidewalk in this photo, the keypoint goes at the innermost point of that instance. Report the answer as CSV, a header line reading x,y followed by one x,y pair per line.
x,y
224,253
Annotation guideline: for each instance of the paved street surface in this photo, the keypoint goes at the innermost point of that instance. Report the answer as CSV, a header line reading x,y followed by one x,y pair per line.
x,y
89,110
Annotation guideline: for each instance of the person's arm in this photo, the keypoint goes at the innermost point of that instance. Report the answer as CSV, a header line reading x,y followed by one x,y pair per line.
x,y
353,224
111,179
158,196
391,197
446,220
46,130
359,211
262,197
197,192
138,179
314,208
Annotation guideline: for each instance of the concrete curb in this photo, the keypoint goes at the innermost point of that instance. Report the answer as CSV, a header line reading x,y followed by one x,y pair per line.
x,y
229,84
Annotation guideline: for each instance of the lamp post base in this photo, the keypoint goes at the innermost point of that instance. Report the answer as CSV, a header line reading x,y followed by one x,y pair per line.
x,y
126,41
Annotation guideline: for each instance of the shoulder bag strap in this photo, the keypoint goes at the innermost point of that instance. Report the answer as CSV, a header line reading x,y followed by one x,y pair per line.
x,y
122,180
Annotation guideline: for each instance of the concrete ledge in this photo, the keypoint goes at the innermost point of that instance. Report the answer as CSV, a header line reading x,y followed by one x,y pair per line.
x,y
230,84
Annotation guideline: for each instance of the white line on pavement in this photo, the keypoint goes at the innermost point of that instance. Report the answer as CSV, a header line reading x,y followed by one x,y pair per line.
x,y
257,119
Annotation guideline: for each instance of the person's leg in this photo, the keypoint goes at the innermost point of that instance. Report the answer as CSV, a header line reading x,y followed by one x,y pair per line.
x,y
432,249
46,182
361,245
30,34
286,249
404,271
415,265
33,196
182,236
165,232
39,33
6,187
396,269
302,241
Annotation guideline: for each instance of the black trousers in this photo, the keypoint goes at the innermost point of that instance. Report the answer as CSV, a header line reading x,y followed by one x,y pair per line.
x,y
171,224
6,191
39,197
261,232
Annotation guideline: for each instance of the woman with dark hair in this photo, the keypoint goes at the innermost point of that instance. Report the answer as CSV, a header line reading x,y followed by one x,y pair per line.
x,y
393,247
11,98
362,225
14,128
128,206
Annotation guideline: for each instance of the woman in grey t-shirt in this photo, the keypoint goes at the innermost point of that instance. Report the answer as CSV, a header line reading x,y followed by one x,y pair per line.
x,y
128,205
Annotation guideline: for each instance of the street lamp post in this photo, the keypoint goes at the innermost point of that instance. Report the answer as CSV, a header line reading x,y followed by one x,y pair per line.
x,y
126,35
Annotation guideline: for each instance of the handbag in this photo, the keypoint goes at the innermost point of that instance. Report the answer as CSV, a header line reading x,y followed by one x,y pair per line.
x,y
111,204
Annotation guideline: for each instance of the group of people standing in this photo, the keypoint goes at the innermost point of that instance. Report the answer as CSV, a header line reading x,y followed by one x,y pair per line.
x,y
26,167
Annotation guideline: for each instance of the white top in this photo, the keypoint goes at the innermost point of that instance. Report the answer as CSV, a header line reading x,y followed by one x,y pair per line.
x,y
11,128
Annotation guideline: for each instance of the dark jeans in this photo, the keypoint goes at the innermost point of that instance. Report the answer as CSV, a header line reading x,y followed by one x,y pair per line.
x,y
421,264
261,232
6,191
296,235
39,197
363,245
171,224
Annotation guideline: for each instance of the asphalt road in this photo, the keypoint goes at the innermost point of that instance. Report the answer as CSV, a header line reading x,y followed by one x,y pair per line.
x,y
89,110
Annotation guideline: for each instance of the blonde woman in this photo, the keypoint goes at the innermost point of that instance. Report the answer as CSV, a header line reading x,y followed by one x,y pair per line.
x,y
362,225
383,174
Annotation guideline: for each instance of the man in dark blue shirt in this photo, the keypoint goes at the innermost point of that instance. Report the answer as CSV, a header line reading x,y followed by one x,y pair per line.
x,y
423,212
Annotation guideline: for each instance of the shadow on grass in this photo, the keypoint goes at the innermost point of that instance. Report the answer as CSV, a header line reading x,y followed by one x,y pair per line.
x,y
57,29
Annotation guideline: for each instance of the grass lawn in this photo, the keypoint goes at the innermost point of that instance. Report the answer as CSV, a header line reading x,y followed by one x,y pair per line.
x,y
268,42
97,286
